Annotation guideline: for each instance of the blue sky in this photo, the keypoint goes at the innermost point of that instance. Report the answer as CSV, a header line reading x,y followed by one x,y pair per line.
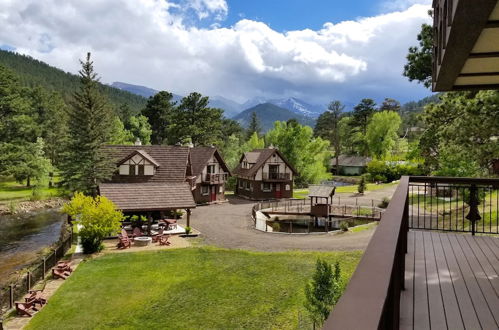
x,y
316,50
285,15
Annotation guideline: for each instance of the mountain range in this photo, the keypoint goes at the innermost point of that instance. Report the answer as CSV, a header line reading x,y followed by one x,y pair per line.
x,y
268,113
233,108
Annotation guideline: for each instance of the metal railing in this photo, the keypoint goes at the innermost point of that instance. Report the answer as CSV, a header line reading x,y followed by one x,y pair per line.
x,y
215,178
469,205
276,176
453,204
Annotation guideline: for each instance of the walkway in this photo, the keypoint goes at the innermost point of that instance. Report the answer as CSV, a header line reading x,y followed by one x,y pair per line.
x,y
451,282
229,225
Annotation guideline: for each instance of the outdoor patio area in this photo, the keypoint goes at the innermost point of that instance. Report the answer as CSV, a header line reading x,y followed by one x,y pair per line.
x,y
451,282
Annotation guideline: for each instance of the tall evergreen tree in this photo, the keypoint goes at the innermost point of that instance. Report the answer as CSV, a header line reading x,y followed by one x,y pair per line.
x,y
327,126
90,120
197,121
254,126
160,110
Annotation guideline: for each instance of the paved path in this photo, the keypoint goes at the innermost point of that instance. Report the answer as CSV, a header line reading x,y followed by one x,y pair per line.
x,y
229,225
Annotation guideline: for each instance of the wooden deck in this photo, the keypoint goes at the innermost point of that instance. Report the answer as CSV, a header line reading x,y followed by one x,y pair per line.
x,y
451,282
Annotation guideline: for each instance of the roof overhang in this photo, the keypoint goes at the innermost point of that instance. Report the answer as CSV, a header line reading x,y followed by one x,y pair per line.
x,y
466,45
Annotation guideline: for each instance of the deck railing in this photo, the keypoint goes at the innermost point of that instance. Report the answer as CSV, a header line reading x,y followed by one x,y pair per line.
x,y
372,297
276,176
215,178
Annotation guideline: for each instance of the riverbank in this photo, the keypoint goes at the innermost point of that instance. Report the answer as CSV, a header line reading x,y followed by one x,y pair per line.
x,y
17,207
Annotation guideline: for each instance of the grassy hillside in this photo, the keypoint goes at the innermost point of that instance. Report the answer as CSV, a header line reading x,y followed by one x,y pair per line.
x,y
32,73
268,113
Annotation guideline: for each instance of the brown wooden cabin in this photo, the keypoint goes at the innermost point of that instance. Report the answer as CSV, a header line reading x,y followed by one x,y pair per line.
x,y
170,177
210,172
264,174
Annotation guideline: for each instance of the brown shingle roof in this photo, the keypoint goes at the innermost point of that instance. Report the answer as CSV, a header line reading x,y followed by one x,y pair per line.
x,y
317,190
148,196
263,155
173,161
200,157
345,160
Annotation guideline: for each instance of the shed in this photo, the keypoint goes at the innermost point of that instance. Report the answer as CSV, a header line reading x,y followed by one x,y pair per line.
x,y
350,165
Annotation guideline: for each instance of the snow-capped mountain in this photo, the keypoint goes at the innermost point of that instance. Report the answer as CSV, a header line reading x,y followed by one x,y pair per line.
x,y
300,107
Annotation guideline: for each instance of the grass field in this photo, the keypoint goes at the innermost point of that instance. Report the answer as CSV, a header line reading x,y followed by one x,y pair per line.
x,y
303,193
10,191
203,288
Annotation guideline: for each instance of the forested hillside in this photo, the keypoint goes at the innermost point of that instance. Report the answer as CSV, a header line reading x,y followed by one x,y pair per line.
x,y
31,73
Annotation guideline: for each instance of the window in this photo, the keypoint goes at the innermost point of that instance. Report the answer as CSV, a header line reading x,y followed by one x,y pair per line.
x,y
288,187
141,169
132,170
266,187
241,184
248,185
221,189
205,190
211,169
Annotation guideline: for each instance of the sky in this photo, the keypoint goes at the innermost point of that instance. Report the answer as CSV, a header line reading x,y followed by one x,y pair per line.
x,y
316,50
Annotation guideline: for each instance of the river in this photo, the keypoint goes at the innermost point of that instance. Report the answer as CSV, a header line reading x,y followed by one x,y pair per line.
x,y
22,236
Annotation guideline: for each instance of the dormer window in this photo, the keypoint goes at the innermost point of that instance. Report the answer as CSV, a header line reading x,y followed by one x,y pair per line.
x,y
139,163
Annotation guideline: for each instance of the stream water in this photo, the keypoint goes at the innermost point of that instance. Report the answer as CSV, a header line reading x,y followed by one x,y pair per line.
x,y
22,236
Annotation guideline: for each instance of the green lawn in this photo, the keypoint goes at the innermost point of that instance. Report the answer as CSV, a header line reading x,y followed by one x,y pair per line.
x,y
303,193
203,288
10,190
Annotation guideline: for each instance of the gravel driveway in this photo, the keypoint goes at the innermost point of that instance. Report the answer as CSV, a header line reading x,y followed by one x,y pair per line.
x,y
229,225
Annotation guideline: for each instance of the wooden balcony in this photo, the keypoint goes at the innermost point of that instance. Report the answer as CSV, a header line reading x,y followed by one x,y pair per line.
x,y
424,266
276,176
215,178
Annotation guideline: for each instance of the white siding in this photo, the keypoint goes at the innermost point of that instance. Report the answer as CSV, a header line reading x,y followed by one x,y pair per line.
x,y
124,169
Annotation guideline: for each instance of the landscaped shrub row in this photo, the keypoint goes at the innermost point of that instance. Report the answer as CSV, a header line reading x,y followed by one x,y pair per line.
x,y
384,171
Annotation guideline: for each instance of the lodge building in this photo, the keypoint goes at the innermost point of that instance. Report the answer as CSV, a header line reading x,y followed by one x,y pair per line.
x,y
264,174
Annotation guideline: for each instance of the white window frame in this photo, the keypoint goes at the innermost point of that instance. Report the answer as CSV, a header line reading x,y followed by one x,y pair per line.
x,y
203,190
269,189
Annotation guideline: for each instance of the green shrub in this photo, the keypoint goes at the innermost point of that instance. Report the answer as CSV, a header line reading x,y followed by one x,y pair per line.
x,y
362,185
388,171
188,230
344,226
384,203
98,218
323,291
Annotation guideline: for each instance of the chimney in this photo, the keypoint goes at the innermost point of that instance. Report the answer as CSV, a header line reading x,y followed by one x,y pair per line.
x,y
138,142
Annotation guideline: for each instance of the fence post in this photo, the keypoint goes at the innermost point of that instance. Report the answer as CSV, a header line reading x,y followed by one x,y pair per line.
x,y
11,296
28,280
44,267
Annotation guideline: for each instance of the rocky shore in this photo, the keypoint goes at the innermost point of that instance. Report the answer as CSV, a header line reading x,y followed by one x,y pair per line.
x,y
29,206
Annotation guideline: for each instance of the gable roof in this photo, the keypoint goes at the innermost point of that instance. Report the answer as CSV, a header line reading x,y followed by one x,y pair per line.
x,y
345,160
263,156
173,160
201,155
317,190
148,196
252,157
141,153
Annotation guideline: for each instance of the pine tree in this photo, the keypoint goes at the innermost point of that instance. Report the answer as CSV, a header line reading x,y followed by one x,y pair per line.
x,y
323,291
254,126
159,111
90,120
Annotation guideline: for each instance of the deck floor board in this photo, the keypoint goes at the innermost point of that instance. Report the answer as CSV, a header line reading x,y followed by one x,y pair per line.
x,y
451,282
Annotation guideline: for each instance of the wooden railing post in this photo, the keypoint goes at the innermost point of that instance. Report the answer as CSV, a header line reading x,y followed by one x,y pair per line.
x,y
473,215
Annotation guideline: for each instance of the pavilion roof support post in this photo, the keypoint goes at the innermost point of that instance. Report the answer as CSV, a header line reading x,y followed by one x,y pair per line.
x,y
188,217
149,223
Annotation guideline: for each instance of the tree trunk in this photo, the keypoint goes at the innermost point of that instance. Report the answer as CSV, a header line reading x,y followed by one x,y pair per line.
x,y
28,182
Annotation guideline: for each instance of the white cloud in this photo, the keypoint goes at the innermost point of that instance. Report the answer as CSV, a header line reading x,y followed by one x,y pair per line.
x,y
150,42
